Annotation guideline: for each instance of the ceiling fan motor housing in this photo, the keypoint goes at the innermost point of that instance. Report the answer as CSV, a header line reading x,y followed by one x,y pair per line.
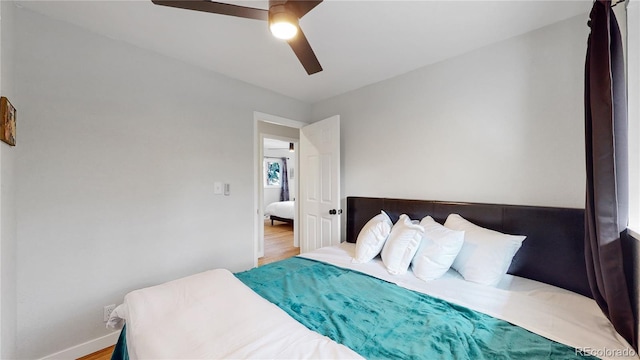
x,y
279,12
273,3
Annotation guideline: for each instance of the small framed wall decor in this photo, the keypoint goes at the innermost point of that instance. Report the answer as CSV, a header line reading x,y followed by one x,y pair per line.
x,y
7,122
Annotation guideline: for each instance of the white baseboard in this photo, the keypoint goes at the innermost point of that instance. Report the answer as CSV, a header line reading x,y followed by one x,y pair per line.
x,y
86,348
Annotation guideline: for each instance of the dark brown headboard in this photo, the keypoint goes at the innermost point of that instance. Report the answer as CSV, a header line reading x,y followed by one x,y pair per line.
x,y
553,252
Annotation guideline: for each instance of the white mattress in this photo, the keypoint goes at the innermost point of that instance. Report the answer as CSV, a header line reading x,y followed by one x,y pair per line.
x,y
283,209
552,312
213,315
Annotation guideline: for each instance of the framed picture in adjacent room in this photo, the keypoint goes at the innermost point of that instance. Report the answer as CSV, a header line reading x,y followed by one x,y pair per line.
x,y
272,174
7,122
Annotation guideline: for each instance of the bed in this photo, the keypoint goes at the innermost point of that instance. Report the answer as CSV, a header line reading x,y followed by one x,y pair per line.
x,y
323,305
281,211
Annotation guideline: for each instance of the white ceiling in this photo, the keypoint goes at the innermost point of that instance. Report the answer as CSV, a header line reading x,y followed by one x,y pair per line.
x,y
357,42
273,144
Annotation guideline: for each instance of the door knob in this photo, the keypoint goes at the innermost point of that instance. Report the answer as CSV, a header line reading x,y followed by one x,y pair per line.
x,y
334,211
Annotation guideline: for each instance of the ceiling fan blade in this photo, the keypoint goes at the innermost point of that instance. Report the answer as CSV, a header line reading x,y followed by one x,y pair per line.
x,y
301,7
304,52
216,8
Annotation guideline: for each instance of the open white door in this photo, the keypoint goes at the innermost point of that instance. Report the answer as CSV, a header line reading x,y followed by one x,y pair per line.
x,y
319,160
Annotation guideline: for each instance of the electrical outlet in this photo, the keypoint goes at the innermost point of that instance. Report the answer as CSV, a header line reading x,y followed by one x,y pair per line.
x,y
108,309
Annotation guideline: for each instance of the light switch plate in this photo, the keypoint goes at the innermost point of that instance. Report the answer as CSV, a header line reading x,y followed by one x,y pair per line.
x,y
217,188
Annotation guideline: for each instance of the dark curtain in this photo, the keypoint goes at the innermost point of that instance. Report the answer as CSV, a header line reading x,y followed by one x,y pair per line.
x,y
284,192
607,197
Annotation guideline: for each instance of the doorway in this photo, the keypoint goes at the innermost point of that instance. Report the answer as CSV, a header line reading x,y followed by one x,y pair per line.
x,y
319,212
271,133
279,199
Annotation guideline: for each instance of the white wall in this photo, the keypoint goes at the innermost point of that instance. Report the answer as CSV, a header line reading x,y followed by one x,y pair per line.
x,y
8,298
633,72
118,152
503,124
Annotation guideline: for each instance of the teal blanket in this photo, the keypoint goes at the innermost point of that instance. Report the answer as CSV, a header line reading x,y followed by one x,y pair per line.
x,y
120,351
380,320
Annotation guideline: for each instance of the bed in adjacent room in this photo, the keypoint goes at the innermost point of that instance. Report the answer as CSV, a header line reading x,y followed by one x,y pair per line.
x,y
332,303
281,211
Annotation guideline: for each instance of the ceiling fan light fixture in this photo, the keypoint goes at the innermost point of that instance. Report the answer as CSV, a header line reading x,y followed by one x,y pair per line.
x,y
283,24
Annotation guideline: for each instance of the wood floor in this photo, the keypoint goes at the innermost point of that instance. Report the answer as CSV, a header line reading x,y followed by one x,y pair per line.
x,y
278,242
278,245
104,354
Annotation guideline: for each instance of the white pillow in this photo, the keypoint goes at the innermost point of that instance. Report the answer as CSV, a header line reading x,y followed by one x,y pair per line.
x,y
402,245
438,250
486,254
372,237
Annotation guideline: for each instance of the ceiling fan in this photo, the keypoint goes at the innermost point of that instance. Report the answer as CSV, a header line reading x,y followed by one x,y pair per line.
x,y
283,16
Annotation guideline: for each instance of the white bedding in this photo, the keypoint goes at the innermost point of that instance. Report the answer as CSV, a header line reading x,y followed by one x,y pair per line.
x,y
283,209
552,312
212,315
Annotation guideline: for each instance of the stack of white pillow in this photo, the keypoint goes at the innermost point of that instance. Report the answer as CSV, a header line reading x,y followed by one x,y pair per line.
x,y
480,255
